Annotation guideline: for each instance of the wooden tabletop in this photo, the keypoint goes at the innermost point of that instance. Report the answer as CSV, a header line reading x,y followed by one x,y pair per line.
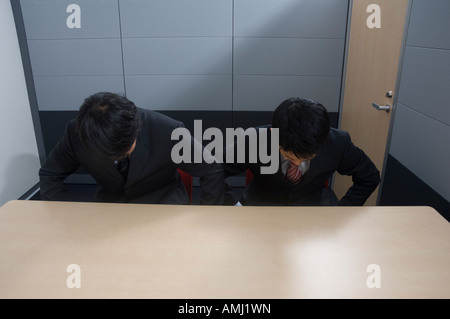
x,y
94,250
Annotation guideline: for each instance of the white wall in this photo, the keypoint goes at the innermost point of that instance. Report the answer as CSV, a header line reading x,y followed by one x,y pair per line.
x,y
19,160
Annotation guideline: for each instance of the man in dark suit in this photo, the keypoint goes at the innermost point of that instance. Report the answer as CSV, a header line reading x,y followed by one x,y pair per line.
x,y
127,150
309,153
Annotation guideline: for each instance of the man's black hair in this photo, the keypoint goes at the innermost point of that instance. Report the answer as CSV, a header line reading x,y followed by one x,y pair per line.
x,y
108,124
303,126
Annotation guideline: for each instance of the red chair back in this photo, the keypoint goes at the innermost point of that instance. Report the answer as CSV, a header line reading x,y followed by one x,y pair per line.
x,y
248,176
187,181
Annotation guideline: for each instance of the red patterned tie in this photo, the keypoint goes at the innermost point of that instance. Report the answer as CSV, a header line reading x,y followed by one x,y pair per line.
x,y
294,174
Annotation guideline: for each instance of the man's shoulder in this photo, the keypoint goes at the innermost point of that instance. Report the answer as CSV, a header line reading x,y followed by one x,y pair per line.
x,y
155,118
71,128
336,141
337,134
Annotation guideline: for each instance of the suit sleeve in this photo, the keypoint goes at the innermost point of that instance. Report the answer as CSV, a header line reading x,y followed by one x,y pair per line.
x,y
365,175
236,162
212,178
60,163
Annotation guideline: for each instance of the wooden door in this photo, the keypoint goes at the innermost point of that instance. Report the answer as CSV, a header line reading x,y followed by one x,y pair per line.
x,y
375,45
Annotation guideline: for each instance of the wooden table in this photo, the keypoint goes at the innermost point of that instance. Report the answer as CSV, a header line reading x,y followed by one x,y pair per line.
x,y
160,251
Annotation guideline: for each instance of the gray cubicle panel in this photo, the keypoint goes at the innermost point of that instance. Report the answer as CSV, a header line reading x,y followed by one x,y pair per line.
x,y
227,62
417,167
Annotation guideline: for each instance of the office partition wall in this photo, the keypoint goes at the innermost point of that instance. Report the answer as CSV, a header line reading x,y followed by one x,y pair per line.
x,y
227,62
417,167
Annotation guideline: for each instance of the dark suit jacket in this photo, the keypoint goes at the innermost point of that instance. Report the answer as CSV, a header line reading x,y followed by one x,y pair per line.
x,y
152,176
338,154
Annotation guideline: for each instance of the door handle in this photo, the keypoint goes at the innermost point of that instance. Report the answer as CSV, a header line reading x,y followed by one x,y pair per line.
x,y
381,107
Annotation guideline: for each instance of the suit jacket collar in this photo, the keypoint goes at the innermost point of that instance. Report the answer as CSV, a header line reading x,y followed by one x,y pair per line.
x,y
140,154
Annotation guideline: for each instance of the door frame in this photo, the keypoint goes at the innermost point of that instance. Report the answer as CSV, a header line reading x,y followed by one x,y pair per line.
x,y
395,93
